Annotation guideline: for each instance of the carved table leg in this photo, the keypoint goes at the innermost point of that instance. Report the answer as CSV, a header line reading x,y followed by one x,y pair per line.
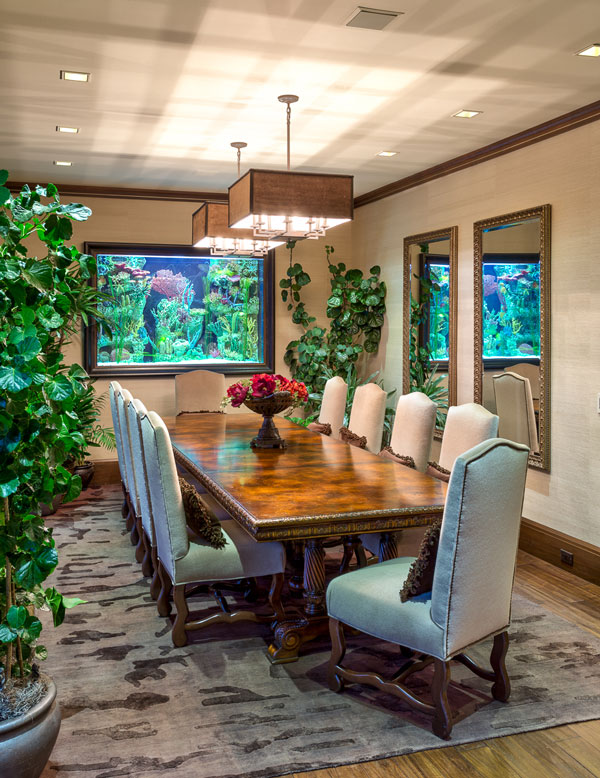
x,y
290,634
388,547
295,584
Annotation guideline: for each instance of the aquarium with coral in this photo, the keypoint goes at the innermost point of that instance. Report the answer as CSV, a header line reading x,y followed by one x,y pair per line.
x,y
511,310
174,311
439,309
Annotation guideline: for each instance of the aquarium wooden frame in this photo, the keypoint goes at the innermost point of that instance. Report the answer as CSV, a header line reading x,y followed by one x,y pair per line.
x,y
541,460
90,347
450,234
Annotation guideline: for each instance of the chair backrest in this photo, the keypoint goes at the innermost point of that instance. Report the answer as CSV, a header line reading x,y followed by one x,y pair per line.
x,y
527,370
135,411
514,405
466,426
199,390
367,415
476,556
333,406
114,388
165,495
123,399
413,427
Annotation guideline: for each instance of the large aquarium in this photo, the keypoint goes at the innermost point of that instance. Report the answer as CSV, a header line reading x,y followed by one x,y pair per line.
x,y
178,311
439,310
511,310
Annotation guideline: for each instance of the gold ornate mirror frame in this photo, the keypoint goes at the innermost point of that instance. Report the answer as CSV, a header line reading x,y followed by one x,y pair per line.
x,y
450,234
541,460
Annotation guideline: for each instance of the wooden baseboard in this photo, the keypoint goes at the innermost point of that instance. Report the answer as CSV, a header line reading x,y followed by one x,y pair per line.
x,y
546,543
106,471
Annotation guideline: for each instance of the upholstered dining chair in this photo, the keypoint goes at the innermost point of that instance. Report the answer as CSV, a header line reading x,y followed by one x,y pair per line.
x,y
184,561
411,437
527,370
470,596
114,389
514,405
123,398
368,414
333,408
199,391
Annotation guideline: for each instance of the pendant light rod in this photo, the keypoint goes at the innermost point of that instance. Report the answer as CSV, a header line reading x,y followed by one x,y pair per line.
x,y
239,145
288,100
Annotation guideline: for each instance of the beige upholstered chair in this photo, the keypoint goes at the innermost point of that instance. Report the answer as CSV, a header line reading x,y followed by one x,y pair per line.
x,y
514,404
184,561
466,426
527,370
199,391
412,434
333,405
123,398
471,592
114,389
367,415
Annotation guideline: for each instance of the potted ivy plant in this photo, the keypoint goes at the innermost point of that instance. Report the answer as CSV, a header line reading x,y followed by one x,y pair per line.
x,y
42,299
88,407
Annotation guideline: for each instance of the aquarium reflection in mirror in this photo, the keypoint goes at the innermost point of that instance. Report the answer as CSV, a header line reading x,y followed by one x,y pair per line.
x,y
170,309
430,317
512,292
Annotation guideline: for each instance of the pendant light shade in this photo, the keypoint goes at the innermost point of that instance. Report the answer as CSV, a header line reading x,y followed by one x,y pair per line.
x,y
287,204
210,229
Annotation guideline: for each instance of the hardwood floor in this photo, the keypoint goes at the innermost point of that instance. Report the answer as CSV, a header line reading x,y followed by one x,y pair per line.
x,y
570,751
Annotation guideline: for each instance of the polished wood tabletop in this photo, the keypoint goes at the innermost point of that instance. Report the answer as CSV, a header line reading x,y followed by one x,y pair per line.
x,y
315,487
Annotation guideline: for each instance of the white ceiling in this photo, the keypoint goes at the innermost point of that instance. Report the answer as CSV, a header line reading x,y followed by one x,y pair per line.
x,y
175,81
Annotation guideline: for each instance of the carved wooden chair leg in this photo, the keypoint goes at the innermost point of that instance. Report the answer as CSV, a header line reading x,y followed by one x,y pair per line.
x,y
178,633
139,547
155,584
442,718
348,554
275,596
361,557
251,591
130,517
125,505
147,566
338,651
501,687
163,604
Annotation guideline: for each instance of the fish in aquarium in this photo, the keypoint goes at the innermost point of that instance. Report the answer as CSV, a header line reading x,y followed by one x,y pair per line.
x,y
511,310
175,309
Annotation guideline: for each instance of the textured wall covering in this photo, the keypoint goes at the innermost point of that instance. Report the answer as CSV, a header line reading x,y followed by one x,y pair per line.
x,y
561,171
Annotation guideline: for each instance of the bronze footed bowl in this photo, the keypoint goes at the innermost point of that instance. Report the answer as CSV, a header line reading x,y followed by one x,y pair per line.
x,y
268,435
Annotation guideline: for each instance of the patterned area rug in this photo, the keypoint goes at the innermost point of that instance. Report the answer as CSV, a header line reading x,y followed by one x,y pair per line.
x,y
133,705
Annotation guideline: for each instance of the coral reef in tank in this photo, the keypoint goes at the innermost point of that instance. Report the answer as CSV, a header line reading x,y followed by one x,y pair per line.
x,y
203,309
439,311
511,310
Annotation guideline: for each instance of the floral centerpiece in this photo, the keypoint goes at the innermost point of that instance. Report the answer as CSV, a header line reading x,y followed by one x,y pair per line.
x,y
266,394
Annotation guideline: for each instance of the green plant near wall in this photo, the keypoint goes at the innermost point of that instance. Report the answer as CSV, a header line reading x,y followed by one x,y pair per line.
x,y
355,309
422,370
42,300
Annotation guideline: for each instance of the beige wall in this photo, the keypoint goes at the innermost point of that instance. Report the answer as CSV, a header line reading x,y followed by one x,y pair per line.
x,y
561,171
147,221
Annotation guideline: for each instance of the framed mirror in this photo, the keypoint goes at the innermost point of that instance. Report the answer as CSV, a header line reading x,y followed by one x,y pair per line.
x,y
512,326
429,327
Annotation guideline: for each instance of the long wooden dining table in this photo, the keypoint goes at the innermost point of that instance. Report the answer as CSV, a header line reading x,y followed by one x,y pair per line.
x,y
314,489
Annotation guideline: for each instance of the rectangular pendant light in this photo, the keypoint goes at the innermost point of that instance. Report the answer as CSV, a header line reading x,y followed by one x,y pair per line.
x,y
210,229
288,204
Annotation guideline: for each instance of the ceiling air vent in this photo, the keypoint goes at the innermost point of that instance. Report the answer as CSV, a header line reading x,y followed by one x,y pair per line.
x,y
371,18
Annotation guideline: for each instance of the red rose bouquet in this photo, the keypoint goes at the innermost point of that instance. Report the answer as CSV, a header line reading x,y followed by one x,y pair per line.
x,y
263,385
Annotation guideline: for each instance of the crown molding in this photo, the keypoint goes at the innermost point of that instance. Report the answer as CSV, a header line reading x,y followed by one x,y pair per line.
x,y
565,123
132,194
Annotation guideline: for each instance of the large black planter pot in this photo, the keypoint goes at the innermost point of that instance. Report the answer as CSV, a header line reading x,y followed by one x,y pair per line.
x,y
27,742
86,473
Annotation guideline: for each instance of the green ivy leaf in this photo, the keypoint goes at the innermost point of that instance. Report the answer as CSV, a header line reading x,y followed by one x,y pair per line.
x,y
13,380
375,270
39,275
9,487
3,176
49,318
16,616
6,634
59,388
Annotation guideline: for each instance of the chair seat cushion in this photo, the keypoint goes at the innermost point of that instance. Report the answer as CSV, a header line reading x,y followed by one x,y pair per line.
x,y
241,557
367,599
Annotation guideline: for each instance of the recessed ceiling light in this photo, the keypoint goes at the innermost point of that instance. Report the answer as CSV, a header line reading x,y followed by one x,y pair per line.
x,y
62,163
387,153
371,18
72,130
464,114
72,75
590,51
